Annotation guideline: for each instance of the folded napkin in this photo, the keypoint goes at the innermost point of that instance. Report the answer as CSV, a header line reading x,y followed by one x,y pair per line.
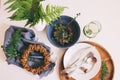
x,y
28,37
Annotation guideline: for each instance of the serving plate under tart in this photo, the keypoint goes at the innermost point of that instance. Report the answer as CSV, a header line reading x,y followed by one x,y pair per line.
x,y
104,56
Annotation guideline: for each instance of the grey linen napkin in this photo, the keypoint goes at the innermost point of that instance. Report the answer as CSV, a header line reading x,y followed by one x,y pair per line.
x,y
28,37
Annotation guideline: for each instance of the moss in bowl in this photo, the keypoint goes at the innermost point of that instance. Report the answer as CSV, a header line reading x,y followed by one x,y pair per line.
x,y
63,33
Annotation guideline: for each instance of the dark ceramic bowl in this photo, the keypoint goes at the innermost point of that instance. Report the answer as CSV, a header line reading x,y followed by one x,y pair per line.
x,y
64,20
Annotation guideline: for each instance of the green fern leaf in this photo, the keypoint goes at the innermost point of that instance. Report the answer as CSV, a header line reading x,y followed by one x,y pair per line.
x,y
47,19
19,15
25,4
54,12
9,1
48,9
13,6
51,16
42,10
33,11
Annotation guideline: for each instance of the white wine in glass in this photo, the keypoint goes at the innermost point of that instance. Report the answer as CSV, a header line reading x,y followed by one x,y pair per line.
x,y
92,29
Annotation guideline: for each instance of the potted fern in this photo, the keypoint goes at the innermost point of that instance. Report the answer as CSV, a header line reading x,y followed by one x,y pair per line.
x,y
33,11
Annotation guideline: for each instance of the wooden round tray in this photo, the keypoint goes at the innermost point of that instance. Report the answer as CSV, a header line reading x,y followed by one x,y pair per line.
x,y
104,56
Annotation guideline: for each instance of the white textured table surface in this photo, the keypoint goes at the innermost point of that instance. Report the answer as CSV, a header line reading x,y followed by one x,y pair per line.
x,y
107,12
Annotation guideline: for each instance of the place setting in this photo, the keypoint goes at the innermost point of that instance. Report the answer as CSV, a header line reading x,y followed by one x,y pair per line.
x,y
96,64
81,60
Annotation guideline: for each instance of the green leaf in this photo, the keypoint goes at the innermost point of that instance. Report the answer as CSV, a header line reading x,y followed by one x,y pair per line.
x,y
13,6
9,1
12,46
42,10
25,4
19,15
48,9
104,70
51,16
47,19
33,11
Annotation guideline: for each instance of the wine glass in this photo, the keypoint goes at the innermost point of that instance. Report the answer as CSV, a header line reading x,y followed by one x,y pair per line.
x,y
91,29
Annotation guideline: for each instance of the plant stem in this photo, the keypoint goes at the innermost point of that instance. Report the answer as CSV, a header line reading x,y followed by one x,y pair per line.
x,y
73,19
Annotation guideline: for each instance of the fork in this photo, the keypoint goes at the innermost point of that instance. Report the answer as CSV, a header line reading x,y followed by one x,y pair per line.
x,y
77,63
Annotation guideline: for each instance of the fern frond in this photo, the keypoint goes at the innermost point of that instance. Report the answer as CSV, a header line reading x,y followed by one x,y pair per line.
x,y
13,6
33,11
53,12
9,1
20,14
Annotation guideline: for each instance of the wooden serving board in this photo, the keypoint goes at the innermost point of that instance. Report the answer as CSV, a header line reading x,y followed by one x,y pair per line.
x,y
104,56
